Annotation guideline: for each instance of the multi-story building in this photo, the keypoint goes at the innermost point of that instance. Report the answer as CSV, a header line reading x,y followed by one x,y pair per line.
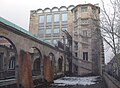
x,y
49,23
87,42
81,22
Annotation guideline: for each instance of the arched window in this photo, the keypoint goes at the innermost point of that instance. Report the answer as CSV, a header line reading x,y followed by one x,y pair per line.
x,y
60,61
12,63
36,67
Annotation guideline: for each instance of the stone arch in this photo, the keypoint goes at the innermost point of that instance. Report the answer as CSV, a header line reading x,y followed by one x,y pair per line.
x,y
71,7
36,59
55,9
39,11
63,8
47,10
8,56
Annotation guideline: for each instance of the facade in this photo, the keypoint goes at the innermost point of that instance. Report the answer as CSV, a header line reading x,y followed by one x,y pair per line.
x,y
25,59
81,22
49,23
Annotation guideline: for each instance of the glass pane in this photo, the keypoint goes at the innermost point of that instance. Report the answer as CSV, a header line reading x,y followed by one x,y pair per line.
x,y
41,19
41,31
84,9
64,17
56,18
49,18
57,30
48,31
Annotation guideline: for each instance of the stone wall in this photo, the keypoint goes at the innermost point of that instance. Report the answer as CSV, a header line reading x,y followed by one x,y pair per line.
x,y
110,81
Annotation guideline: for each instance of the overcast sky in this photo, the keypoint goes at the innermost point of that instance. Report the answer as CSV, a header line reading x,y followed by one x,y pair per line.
x,y
18,11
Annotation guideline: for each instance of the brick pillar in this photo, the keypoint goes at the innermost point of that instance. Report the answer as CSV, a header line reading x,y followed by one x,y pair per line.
x,y
48,71
25,70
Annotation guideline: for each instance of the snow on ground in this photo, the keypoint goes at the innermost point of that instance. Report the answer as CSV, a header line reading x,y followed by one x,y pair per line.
x,y
76,81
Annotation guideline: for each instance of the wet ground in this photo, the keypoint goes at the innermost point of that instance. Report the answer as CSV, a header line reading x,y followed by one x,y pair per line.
x,y
78,82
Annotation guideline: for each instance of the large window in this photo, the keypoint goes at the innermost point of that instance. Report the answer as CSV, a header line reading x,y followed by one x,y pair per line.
x,y
56,18
49,18
41,19
84,9
48,31
36,67
56,30
64,17
85,56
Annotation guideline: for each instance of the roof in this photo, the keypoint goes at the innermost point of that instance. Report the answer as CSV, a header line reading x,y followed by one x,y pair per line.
x,y
89,4
24,31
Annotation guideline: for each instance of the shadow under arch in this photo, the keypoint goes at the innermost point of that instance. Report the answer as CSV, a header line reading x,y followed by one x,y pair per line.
x,y
8,71
36,71
38,51
14,47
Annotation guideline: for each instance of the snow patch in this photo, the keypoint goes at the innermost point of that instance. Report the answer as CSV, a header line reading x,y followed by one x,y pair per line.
x,y
76,81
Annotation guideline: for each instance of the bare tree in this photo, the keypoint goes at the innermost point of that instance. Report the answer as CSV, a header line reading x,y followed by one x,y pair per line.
x,y
110,27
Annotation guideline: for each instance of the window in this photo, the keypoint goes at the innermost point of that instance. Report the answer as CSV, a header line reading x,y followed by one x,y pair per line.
x,y
56,18
56,30
49,18
94,10
48,31
41,19
76,55
84,21
36,67
85,56
41,31
64,17
85,33
12,63
84,9
76,45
